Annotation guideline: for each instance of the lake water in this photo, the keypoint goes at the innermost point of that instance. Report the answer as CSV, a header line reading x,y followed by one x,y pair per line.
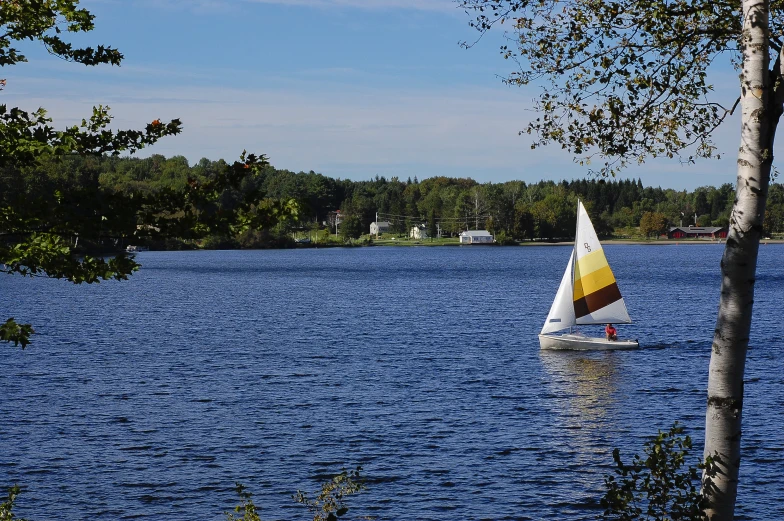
x,y
150,398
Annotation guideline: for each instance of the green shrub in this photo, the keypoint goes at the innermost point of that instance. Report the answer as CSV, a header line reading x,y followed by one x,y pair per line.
x,y
7,506
327,505
659,486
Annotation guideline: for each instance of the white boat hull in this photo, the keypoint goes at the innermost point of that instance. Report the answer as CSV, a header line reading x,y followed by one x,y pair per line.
x,y
579,342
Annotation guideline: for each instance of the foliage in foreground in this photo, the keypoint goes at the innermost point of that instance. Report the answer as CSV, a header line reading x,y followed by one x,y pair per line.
x,y
659,486
7,506
328,505
56,219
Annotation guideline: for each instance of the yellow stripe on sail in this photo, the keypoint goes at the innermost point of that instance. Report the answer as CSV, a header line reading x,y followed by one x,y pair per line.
x,y
593,282
591,262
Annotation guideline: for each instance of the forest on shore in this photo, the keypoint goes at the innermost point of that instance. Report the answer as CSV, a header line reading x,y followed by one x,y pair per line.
x,y
309,202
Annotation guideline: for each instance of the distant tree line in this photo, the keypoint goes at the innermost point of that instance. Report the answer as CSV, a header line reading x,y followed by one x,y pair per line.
x,y
289,201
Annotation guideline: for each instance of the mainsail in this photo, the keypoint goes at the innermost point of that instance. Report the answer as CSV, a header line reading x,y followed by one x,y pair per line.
x,y
597,299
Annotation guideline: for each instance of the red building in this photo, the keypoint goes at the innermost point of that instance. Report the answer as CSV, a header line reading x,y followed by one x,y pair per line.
x,y
697,232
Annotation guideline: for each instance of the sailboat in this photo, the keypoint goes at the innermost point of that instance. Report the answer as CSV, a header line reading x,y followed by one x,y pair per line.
x,y
588,294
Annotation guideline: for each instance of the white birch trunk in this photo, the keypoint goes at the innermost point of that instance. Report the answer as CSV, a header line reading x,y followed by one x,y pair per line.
x,y
739,263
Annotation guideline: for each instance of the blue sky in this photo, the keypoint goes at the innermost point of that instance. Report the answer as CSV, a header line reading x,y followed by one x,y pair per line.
x,y
348,88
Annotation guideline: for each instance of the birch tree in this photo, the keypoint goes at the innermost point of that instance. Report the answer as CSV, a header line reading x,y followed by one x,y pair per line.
x,y
625,81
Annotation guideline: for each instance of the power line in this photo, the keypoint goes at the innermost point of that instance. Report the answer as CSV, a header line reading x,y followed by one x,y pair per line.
x,y
397,217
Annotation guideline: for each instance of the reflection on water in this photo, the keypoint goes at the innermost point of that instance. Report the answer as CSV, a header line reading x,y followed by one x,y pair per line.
x,y
586,381
583,387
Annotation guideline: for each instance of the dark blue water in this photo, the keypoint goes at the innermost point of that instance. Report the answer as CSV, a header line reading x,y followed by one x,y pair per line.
x,y
150,398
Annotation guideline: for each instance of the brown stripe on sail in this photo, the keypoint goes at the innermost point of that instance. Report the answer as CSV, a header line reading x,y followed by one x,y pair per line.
x,y
596,300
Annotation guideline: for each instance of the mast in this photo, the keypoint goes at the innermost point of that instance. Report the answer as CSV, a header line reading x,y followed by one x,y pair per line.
x,y
574,246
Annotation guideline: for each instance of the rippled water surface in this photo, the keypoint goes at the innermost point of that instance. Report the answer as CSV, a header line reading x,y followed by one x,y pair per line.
x,y
150,398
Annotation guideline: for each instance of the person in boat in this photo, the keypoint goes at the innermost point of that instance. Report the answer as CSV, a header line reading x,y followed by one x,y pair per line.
x,y
611,332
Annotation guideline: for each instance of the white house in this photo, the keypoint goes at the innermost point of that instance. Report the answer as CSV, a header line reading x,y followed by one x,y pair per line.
x,y
418,232
379,227
476,237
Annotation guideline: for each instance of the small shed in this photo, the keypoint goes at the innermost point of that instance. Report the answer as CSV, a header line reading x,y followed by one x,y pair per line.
x,y
377,228
418,232
697,232
476,237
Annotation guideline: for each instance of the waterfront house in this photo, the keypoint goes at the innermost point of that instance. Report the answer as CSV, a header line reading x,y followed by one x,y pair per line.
x,y
418,232
377,228
697,232
476,237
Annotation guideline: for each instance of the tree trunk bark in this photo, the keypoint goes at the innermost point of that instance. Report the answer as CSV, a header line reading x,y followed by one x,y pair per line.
x,y
760,114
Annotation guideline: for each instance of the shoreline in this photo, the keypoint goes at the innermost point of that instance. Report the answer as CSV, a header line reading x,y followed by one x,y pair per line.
x,y
656,242
632,242
533,244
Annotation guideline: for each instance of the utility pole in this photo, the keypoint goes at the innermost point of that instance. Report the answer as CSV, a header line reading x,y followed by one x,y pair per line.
x,y
476,208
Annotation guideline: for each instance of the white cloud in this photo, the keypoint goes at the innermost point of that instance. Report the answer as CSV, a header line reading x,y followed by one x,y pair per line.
x,y
366,128
344,130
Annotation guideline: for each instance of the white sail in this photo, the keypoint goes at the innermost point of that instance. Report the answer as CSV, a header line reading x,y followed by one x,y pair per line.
x,y
561,313
597,299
